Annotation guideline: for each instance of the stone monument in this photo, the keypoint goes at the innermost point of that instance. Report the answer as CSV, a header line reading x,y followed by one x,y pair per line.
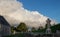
x,y
48,30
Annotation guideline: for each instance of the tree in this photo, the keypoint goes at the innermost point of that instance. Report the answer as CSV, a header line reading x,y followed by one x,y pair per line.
x,y
55,27
33,29
22,27
13,29
46,26
41,29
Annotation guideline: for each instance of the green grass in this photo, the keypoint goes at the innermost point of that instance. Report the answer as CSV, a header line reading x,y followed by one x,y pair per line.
x,y
16,35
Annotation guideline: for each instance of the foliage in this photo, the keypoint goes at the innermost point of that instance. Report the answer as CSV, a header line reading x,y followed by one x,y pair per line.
x,y
22,27
12,29
46,26
41,29
33,29
55,27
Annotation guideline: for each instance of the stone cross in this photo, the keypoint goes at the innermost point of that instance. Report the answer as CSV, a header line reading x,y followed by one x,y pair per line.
x,y
48,30
48,21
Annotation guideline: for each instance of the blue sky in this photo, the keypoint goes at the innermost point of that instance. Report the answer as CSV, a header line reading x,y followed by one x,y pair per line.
x,y
50,8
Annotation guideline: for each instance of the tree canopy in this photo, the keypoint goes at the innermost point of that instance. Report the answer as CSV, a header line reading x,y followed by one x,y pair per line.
x,y
22,27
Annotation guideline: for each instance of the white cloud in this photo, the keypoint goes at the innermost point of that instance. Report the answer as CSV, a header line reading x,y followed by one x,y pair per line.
x,y
14,11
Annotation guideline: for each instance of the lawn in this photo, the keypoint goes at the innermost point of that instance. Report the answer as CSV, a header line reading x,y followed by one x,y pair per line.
x,y
16,35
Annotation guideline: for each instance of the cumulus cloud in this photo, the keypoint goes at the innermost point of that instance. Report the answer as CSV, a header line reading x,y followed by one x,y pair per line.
x,y
15,13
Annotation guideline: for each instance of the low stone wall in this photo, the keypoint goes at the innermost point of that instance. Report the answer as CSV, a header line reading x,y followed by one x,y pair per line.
x,y
41,35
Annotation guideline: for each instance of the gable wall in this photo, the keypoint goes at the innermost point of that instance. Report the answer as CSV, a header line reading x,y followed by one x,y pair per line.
x,y
6,30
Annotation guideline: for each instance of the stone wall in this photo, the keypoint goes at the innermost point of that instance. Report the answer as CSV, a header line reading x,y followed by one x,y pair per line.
x,y
41,35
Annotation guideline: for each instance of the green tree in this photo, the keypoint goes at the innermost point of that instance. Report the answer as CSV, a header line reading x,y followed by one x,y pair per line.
x,y
33,29
12,29
22,27
41,29
55,27
46,26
